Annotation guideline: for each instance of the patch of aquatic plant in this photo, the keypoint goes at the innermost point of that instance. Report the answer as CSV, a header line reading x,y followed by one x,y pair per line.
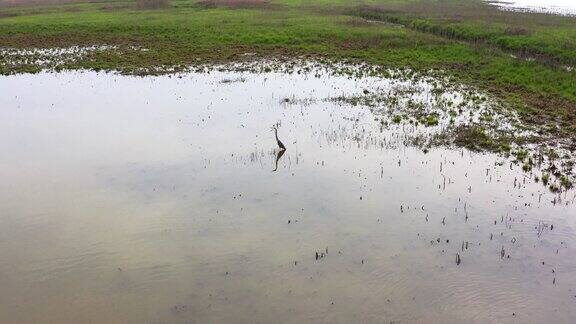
x,y
234,80
298,101
478,138
433,112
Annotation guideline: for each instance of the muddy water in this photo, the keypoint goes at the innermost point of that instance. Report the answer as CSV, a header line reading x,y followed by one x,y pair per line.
x,y
154,200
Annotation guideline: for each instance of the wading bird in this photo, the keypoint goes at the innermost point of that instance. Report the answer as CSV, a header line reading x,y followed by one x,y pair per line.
x,y
280,144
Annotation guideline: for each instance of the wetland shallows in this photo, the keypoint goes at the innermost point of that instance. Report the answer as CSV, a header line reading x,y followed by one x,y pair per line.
x,y
128,199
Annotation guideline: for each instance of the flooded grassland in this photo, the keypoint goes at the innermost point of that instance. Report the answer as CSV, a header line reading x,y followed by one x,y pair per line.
x,y
166,199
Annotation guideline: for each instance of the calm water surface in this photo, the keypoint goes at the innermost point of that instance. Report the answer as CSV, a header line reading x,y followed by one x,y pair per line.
x,y
563,7
154,200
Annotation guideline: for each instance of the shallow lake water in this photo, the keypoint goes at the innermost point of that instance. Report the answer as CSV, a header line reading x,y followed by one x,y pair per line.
x,y
562,7
154,200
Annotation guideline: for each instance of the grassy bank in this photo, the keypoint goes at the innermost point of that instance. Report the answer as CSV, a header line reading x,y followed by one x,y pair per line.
x,y
470,40
548,38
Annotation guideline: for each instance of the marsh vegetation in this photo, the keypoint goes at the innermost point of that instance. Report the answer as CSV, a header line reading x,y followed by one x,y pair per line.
x,y
524,58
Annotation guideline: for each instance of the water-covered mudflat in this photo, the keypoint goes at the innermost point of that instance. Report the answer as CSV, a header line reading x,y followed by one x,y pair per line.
x,y
166,199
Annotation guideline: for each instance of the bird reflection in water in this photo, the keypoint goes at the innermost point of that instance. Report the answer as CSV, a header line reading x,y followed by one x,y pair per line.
x,y
278,156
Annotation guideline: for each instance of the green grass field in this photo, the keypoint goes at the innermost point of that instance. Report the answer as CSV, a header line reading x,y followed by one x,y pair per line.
x,y
523,58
